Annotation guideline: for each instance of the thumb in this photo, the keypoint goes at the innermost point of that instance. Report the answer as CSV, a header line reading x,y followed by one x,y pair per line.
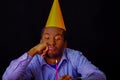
x,y
44,51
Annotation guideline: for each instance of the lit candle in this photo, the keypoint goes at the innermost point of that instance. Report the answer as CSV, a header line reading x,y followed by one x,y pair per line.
x,y
56,70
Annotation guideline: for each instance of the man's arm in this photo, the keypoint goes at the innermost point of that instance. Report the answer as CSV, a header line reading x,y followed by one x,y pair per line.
x,y
17,67
88,70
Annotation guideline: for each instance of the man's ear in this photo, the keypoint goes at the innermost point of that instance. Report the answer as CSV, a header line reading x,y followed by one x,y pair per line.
x,y
41,40
65,44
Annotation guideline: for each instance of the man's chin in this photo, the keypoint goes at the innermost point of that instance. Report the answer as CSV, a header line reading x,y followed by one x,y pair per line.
x,y
51,55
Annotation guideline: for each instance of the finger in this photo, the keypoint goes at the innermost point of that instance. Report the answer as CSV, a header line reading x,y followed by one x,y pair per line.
x,y
66,77
40,48
62,78
44,51
41,41
42,45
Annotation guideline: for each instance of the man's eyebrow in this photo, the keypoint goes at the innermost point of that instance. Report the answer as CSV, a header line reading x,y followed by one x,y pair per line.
x,y
46,33
58,34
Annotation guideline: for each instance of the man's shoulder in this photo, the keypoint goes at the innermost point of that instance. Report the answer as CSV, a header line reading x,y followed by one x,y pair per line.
x,y
72,52
36,59
73,56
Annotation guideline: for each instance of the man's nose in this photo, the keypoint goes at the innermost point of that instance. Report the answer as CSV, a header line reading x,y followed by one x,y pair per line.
x,y
51,42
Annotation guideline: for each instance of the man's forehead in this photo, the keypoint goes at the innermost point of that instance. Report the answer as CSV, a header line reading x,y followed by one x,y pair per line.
x,y
53,30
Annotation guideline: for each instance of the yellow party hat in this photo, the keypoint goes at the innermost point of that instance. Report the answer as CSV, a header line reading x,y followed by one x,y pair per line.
x,y
55,18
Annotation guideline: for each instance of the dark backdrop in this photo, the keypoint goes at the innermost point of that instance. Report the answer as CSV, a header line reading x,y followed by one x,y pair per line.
x,y
89,23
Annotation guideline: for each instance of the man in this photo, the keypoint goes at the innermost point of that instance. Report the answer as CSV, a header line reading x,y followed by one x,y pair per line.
x,y
50,59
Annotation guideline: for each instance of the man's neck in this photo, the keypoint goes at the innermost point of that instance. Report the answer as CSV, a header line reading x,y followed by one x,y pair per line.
x,y
53,60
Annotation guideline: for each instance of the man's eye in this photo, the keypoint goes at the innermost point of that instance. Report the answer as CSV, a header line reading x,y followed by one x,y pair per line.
x,y
46,37
57,38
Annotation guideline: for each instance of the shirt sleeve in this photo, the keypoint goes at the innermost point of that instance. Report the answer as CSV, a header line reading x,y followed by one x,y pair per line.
x,y
88,70
17,67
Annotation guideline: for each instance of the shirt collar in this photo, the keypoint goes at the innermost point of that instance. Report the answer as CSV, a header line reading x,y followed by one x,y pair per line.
x,y
64,58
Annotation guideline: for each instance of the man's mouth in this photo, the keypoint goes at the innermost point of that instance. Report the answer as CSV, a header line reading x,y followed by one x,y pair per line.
x,y
51,48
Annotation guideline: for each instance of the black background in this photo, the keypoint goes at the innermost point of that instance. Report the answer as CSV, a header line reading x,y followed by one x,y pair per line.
x,y
90,28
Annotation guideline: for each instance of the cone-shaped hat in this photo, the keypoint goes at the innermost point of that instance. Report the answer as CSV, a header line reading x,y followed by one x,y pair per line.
x,y
55,18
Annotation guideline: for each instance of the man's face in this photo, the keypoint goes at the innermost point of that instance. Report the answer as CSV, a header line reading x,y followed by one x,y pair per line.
x,y
55,39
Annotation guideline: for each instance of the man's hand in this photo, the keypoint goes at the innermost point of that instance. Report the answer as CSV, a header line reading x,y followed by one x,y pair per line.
x,y
66,77
41,49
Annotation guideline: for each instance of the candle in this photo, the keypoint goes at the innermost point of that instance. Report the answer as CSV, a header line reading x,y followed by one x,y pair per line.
x,y
56,70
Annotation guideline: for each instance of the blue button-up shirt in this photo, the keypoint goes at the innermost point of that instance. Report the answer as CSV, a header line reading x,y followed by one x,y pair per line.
x,y
72,63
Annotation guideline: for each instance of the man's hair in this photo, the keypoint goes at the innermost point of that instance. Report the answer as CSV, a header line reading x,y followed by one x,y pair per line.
x,y
64,34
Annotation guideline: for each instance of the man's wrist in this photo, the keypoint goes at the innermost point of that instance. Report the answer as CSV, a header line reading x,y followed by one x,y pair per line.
x,y
31,52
